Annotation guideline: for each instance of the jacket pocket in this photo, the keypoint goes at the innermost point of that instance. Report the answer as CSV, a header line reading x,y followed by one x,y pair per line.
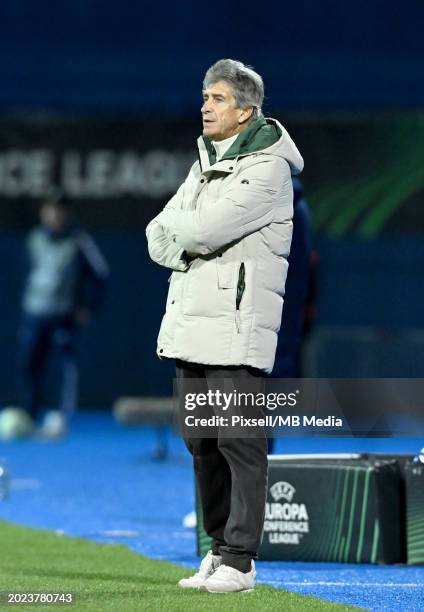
x,y
241,286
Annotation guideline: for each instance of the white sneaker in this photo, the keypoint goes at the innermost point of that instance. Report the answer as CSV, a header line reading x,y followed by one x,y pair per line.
x,y
227,579
208,566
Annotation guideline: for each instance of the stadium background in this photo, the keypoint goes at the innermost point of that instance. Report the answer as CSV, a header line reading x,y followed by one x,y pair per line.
x,y
105,103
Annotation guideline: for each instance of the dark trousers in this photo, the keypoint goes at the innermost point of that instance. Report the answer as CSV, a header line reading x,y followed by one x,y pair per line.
x,y
231,476
39,338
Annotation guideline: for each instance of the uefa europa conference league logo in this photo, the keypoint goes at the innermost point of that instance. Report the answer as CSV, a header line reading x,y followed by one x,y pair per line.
x,y
285,523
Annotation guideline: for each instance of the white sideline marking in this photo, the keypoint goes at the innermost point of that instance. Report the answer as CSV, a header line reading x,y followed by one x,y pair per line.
x,y
23,484
290,456
408,585
120,533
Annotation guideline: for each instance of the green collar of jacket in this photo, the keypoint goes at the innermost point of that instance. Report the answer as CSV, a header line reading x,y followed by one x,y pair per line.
x,y
258,136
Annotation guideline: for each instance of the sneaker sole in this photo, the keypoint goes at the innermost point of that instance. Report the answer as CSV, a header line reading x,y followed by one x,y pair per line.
x,y
206,590
189,586
196,588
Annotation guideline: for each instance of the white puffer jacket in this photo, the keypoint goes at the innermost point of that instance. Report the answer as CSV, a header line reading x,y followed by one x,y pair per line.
x,y
224,307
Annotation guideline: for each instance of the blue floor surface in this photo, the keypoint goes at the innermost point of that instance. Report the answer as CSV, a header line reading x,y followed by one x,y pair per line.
x,y
101,483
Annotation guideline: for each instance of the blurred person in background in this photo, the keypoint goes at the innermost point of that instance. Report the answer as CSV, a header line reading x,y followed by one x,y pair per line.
x,y
226,234
299,296
64,287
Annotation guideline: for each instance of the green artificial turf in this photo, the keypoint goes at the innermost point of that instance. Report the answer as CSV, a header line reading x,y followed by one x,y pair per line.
x,y
111,577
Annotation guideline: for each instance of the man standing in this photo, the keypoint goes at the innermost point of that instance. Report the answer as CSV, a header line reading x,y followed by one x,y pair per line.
x,y
65,285
226,233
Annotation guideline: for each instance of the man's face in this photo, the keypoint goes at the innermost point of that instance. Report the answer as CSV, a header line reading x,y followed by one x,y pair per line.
x,y
221,118
55,218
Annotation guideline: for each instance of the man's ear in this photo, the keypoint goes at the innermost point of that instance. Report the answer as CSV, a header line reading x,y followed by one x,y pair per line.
x,y
245,114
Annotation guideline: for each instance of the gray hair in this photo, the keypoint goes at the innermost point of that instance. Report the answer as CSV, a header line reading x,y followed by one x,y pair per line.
x,y
247,85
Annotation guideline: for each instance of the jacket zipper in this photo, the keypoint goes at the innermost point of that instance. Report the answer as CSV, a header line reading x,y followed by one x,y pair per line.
x,y
241,286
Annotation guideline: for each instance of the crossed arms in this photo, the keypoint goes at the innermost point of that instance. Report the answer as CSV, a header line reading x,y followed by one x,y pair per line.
x,y
247,206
